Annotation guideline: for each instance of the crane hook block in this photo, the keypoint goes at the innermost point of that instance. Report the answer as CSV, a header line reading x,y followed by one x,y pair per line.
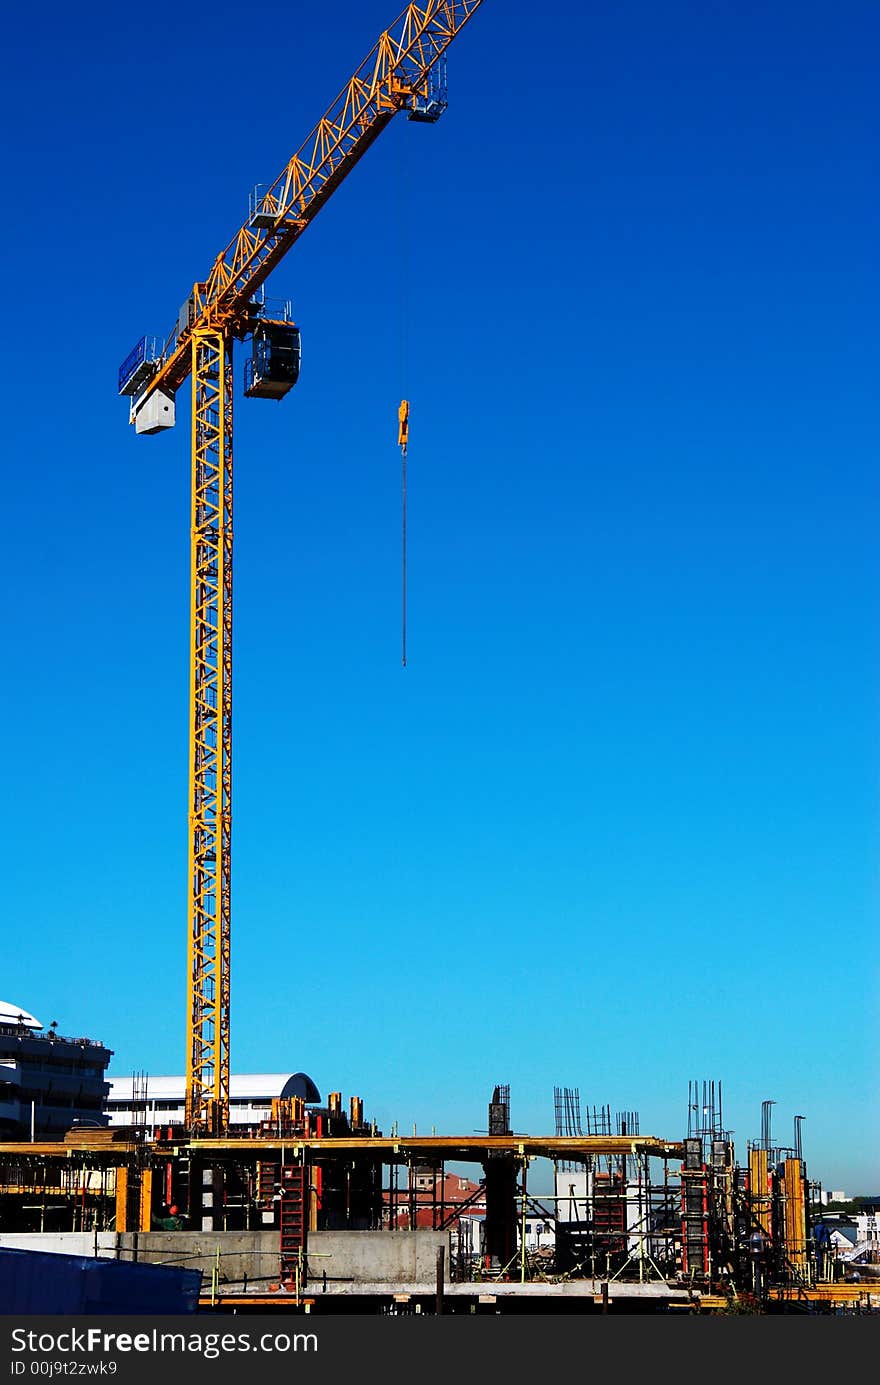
x,y
403,423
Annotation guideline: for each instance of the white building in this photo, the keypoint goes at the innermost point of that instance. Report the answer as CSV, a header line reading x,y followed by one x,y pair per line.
x,y
868,1227
540,1232
250,1098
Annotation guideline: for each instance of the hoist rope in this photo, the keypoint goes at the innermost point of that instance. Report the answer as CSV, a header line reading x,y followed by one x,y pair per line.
x,y
403,442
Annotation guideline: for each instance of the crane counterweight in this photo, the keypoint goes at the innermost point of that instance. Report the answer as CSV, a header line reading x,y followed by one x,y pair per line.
x,y
155,414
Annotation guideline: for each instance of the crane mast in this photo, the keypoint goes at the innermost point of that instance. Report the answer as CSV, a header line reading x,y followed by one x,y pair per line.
x,y
402,72
210,734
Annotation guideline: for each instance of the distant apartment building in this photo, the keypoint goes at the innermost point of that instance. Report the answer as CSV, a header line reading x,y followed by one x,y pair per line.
x,y
823,1197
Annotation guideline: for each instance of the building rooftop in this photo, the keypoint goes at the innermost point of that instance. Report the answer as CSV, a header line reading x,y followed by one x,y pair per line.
x,y
13,1016
242,1087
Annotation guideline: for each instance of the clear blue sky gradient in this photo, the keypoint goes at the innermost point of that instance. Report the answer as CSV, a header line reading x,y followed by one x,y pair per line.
x,y
616,824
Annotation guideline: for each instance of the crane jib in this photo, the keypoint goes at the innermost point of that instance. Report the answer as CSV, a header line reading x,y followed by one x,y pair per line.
x,y
394,77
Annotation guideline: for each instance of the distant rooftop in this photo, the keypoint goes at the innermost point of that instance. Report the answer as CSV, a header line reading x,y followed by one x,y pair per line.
x,y
19,1024
13,1015
261,1086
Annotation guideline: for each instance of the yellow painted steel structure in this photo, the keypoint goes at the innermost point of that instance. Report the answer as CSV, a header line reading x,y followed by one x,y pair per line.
x,y
841,1293
210,733
864,1294
251,1148
462,1148
394,77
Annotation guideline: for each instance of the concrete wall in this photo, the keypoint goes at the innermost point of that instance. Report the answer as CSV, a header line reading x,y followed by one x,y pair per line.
x,y
102,1243
245,1256
250,1259
391,1257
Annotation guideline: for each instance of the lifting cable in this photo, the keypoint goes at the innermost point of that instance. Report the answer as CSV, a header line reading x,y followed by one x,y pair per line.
x,y
403,281
403,442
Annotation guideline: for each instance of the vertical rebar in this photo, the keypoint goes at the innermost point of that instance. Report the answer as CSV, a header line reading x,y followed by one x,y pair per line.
x,y
798,1137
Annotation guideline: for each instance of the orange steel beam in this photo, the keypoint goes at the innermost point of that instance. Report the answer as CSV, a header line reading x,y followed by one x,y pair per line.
x,y
531,1146
829,1293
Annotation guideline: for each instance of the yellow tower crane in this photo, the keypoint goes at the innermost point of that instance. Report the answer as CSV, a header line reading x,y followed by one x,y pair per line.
x,y
403,72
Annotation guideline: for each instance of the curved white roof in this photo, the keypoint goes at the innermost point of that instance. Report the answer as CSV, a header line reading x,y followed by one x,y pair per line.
x,y
242,1087
13,1014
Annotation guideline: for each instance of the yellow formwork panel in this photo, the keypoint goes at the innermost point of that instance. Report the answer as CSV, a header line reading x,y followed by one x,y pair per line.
x,y
795,1214
122,1199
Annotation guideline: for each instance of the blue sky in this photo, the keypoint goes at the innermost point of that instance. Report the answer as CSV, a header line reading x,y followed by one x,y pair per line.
x,y
615,825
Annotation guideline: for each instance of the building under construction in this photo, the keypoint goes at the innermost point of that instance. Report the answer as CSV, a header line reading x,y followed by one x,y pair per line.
x,y
314,1209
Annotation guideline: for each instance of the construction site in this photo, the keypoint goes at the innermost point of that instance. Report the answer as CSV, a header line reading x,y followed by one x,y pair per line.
x,y
312,1208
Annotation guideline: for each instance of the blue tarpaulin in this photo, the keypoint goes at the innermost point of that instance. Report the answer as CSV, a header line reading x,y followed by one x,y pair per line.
x,y
37,1281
